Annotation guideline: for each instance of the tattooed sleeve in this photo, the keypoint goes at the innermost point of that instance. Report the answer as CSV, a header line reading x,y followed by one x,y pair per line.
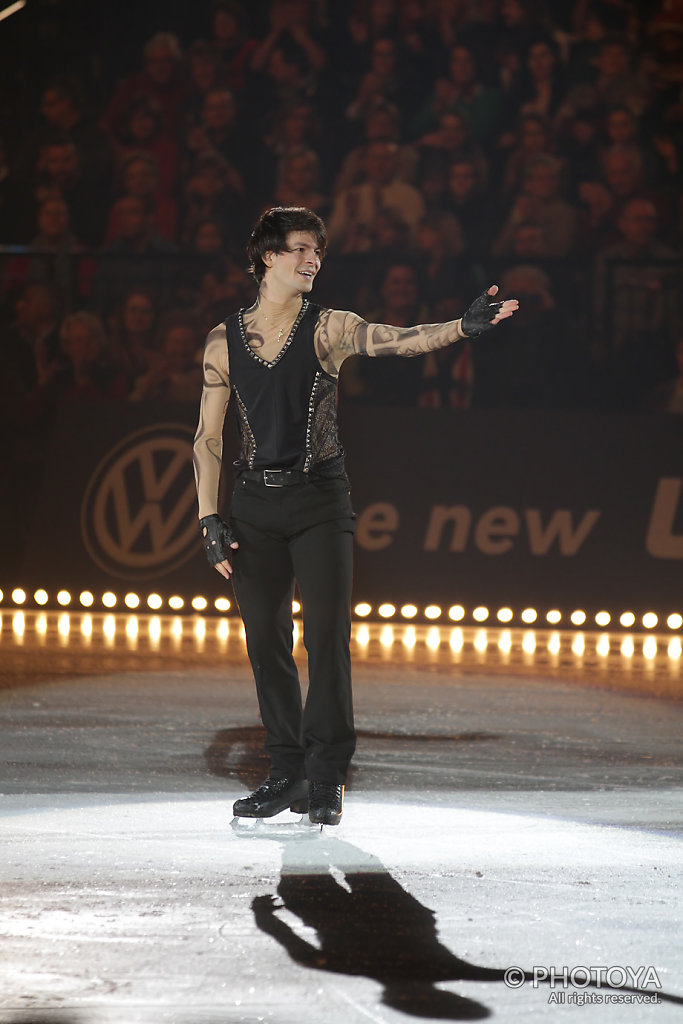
x,y
341,334
208,443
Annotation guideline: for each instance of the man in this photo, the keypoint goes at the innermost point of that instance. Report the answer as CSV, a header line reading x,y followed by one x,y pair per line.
x,y
291,515
356,209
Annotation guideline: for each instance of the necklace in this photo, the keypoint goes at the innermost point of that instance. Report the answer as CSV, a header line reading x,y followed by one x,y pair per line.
x,y
282,317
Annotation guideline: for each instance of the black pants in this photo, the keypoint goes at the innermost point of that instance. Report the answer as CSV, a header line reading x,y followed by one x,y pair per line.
x,y
302,532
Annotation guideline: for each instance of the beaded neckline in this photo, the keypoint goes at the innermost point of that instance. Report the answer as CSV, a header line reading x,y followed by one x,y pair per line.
x,y
290,338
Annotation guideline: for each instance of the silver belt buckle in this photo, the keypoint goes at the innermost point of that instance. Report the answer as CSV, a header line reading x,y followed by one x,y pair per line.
x,y
268,474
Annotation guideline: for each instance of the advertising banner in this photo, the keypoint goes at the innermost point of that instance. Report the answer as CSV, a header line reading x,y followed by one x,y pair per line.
x,y
493,508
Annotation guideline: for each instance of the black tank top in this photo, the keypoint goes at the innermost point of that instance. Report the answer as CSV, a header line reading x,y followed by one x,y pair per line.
x,y
287,409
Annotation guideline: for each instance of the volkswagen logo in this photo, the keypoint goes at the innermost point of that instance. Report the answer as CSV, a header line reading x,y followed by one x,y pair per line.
x,y
138,517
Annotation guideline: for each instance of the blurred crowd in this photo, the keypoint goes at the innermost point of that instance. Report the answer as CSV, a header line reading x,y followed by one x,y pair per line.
x,y
447,143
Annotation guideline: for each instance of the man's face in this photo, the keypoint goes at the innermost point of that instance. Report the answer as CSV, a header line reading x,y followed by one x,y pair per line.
x,y
622,174
301,173
56,108
541,181
380,163
138,314
612,60
61,163
218,110
53,219
139,178
208,239
621,127
400,287
541,60
79,345
180,346
296,268
33,306
638,222
159,64
461,180
461,66
383,57
130,214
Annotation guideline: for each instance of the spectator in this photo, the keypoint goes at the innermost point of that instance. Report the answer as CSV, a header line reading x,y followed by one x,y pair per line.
x,y
382,123
537,367
613,83
519,29
596,225
580,147
176,374
662,62
59,173
462,92
540,202
213,275
132,328
454,139
400,305
638,303
224,285
137,254
381,83
290,31
214,191
220,132
351,223
85,374
142,134
162,79
534,135
205,75
54,249
440,245
232,43
541,87
622,130
432,179
300,182
447,380
372,20
62,109
624,176
139,176
32,341
292,129
469,203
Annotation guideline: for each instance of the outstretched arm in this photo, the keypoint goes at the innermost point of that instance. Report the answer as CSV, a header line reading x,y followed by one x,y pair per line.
x,y
342,334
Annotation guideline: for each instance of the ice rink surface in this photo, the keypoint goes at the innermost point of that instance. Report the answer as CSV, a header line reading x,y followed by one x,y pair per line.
x,y
510,847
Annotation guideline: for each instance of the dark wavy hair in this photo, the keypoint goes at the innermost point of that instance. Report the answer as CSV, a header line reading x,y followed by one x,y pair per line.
x,y
271,230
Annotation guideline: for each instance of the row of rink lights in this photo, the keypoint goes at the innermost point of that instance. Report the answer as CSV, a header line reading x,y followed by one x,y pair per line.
x,y
433,613
533,644
530,616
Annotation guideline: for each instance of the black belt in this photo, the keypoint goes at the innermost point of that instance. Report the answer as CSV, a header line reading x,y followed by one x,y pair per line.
x,y
276,477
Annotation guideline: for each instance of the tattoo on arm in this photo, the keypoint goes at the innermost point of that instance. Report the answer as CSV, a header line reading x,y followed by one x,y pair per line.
x,y
207,455
340,334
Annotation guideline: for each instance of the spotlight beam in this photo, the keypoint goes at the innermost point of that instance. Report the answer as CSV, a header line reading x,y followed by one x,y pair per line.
x,y
12,9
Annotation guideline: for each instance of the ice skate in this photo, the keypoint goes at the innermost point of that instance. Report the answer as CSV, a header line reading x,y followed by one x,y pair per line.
x,y
325,803
273,796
